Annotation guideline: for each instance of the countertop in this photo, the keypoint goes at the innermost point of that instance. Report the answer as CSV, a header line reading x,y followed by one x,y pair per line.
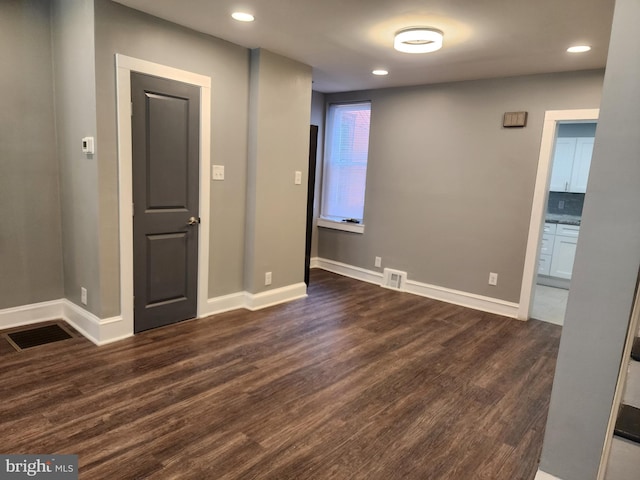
x,y
565,219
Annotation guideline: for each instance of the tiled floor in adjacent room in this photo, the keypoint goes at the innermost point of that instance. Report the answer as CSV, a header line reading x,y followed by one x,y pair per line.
x,y
549,304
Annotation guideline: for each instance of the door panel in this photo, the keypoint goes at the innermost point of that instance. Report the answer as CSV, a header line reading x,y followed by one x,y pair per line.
x,y
562,164
165,135
167,280
581,165
564,252
167,179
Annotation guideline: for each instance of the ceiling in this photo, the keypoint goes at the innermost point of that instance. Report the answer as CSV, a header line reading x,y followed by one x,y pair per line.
x,y
344,40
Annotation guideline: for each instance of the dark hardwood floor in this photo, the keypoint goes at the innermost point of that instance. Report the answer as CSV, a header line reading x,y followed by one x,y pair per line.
x,y
353,382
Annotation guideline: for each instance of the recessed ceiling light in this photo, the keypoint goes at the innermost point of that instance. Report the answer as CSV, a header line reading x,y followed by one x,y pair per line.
x,y
418,40
242,16
380,72
579,49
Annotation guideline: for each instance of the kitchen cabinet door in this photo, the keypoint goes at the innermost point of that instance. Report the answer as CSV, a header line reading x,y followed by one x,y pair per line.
x,y
581,165
546,245
544,265
564,253
562,164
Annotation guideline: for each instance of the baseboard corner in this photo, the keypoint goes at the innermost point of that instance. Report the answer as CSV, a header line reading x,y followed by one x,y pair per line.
x,y
276,296
222,304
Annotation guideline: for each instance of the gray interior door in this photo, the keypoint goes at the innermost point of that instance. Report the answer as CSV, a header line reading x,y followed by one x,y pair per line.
x,y
165,137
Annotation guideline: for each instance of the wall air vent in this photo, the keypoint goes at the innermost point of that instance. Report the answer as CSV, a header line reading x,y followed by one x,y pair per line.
x,y
394,279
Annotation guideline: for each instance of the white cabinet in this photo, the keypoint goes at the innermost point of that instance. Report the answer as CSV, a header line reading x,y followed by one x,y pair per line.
x,y
558,250
562,164
544,265
546,249
549,228
564,252
571,162
581,165
567,230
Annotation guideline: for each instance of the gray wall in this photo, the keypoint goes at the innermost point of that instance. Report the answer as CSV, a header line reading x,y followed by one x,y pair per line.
x,y
280,109
317,118
449,191
129,32
605,269
73,42
30,238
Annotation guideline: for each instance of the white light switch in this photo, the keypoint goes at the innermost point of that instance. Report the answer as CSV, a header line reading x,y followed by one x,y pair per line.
x,y
217,172
87,146
298,178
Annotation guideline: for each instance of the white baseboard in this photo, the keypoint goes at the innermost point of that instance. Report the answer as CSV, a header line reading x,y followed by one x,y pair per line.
x,y
457,297
28,314
545,476
99,331
82,320
274,297
464,299
313,263
106,330
350,271
223,304
103,331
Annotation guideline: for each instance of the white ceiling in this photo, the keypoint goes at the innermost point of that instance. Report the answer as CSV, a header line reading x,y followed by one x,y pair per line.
x,y
344,40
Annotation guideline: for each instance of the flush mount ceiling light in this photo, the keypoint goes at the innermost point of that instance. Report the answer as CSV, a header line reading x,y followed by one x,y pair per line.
x,y
380,72
242,17
418,40
579,49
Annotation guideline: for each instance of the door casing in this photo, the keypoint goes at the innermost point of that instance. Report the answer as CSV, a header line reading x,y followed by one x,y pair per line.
x,y
124,66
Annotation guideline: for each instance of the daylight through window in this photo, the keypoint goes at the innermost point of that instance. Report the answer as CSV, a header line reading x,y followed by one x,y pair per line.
x,y
345,169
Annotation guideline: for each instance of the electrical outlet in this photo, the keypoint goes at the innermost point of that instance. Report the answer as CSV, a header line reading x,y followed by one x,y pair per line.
x,y
217,172
83,295
297,178
378,262
493,278
561,205
267,278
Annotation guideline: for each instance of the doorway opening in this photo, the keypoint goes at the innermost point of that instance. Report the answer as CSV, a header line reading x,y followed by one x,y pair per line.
x,y
563,170
565,198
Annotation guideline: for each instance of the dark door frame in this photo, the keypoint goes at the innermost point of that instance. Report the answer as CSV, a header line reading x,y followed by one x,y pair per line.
x,y
311,188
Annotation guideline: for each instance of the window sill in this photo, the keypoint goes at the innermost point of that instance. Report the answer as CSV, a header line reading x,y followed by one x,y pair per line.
x,y
344,226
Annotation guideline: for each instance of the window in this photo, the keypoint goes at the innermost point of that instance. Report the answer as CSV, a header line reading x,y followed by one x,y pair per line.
x,y
345,168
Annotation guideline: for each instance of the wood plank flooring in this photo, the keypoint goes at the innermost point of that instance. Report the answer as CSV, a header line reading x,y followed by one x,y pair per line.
x,y
353,382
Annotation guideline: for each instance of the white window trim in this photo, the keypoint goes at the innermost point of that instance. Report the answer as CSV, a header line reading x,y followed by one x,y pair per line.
x,y
339,225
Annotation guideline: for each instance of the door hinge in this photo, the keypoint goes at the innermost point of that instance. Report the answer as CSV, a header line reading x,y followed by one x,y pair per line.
x,y
133,210
131,109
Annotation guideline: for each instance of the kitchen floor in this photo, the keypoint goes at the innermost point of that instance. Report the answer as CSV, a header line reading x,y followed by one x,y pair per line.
x,y
549,304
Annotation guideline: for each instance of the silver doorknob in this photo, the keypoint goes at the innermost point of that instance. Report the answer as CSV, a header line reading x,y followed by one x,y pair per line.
x,y
193,221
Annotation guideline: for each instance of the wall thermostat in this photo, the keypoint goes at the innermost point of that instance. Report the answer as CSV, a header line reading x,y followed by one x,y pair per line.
x,y
87,145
